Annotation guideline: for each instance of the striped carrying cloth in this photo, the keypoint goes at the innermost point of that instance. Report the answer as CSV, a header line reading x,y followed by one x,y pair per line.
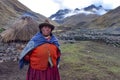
x,y
49,74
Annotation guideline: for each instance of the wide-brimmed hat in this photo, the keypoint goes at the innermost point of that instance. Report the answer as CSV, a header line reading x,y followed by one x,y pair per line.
x,y
46,23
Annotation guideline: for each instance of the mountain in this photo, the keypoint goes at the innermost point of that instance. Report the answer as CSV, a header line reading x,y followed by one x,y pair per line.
x,y
110,19
11,10
78,19
63,13
105,28
60,14
96,9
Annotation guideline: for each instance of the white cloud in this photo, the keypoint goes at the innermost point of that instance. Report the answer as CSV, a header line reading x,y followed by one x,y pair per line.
x,y
111,3
78,3
44,7
48,7
72,4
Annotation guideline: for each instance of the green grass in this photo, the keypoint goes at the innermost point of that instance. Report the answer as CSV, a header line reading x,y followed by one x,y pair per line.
x,y
1,30
89,61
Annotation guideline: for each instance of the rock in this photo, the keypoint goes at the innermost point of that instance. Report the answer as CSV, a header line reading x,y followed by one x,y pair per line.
x,y
93,35
10,51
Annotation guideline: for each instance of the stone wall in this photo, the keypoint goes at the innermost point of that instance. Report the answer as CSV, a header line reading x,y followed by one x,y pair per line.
x,y
10,51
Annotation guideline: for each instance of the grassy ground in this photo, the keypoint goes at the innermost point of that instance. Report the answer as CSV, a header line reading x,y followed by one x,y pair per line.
x,y
82,60
89,61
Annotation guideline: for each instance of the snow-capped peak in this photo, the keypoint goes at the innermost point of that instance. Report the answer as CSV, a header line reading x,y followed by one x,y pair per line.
x,y
92,9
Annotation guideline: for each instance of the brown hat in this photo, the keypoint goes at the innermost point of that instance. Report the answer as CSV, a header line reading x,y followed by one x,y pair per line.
x,y
46,23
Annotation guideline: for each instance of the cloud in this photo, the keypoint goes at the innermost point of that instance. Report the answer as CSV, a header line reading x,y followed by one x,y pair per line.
x,y
44,7
72,4
111,4
48,7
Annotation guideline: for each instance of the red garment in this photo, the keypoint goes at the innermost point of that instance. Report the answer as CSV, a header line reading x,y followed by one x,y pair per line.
x,y
49,74
39,56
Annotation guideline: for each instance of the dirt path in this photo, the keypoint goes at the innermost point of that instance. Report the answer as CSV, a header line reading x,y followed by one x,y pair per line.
x,y
10,71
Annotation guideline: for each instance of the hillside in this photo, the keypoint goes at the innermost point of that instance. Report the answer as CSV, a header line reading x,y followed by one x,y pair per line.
x,y
12,10
105,28
87,54
78,16
110,19
9,10
79,19
82,60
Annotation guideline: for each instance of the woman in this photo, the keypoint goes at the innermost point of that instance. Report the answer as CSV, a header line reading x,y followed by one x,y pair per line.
x,y
42,53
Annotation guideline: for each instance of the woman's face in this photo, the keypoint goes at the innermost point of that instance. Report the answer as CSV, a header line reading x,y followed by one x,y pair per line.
x,y
46,30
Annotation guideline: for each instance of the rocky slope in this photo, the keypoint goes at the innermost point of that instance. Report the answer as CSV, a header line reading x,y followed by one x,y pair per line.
x,y
71,18
105,28
11,10
111,19
79,19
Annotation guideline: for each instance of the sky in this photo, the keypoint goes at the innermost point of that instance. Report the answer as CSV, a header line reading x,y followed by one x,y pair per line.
x,y
49,7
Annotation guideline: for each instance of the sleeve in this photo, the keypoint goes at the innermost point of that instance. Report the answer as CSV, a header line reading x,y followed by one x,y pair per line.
x,y
27,57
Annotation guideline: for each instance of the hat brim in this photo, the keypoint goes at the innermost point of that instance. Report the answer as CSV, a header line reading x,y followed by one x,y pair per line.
x,y
46,24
